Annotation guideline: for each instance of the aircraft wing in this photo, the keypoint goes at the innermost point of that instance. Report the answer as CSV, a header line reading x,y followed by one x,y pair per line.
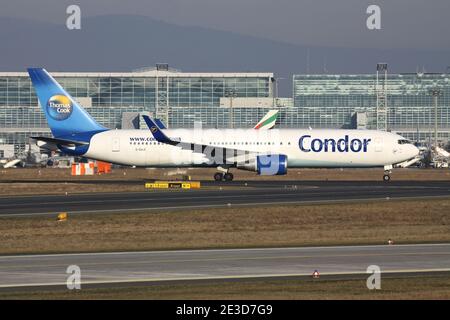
x,y
213,153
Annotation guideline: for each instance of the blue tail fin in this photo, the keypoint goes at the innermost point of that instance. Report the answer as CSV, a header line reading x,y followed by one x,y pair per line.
x,y
64,115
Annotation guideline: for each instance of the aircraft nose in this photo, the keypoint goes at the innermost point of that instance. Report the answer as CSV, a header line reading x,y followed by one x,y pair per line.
x,y
414,151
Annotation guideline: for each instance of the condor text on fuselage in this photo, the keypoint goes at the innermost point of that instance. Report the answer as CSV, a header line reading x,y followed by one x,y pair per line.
x,y
308,144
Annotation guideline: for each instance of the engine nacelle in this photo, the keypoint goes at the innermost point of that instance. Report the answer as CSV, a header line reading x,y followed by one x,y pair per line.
x,y
266,165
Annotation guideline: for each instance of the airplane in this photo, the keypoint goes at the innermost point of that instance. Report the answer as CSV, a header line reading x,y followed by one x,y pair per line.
x,y
266,123
266,152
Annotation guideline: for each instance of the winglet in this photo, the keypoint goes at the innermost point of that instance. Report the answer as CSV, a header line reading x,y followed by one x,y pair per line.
x,y
160,124
156,131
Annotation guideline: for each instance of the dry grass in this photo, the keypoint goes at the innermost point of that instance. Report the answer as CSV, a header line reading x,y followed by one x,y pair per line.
x,y
358,223
436,287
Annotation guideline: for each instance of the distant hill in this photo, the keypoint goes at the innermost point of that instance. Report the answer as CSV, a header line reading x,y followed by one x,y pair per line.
x,y
123,43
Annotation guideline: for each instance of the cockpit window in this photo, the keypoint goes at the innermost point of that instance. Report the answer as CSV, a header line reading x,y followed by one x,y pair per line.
x,y
404,141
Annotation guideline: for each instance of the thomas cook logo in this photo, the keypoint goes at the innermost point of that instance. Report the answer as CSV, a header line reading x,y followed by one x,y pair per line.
x,y
59,107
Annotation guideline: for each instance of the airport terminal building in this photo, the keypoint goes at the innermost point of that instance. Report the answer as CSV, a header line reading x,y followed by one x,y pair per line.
x,y
116,100
239,100
351,101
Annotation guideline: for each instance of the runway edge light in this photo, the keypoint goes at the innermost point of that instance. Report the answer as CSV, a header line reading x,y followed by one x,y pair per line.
x,y
62,216
316,274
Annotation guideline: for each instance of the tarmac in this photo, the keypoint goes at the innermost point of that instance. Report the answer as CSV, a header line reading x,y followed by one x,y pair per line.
x,y
31,271
230,194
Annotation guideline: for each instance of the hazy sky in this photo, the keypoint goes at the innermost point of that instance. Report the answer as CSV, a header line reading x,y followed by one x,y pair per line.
x,y
415,24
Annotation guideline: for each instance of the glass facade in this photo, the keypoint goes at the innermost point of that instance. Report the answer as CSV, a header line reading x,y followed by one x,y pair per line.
x,y
330,101
183,97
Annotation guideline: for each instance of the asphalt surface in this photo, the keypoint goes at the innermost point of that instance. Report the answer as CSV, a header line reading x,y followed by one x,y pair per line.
x,y
162,266
217,195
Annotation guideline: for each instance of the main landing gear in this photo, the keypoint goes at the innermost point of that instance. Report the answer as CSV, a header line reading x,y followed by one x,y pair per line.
x,y
219,176
223,176
387,173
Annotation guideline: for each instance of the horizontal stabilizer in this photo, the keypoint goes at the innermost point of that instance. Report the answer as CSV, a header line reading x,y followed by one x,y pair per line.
x,y
64,142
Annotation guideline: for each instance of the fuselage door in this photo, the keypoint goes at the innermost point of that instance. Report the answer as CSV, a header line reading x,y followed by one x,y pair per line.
x,y
378,144
115,144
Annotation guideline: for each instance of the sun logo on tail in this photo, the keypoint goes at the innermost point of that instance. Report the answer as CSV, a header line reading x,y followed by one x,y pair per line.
x,y
59,107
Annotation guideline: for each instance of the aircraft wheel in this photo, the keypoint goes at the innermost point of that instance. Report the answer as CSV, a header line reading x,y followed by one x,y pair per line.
x,y
218,176
228,176
386,178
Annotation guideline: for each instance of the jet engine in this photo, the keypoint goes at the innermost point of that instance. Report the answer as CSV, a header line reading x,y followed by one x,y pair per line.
x,y
266,165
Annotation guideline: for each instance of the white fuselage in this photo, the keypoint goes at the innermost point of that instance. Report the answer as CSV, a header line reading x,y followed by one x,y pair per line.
x,y
303,148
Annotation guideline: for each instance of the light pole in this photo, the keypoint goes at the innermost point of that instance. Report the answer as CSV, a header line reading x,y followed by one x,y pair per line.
x,y
276,90
231,94
381,92
435,92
